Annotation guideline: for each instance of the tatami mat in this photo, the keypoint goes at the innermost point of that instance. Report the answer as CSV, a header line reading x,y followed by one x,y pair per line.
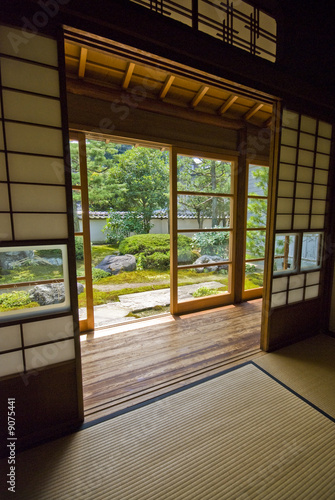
x,y
241,435
307,367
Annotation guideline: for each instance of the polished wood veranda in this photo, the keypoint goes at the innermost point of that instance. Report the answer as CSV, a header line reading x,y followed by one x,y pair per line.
x,y
125,365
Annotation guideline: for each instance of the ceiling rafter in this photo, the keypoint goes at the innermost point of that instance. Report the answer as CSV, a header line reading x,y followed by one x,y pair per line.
x,y
226,105
253,111
199,95
128,74
166,87
82,62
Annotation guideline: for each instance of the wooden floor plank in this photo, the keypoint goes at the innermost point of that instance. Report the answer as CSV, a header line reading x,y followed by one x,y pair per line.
x,y
121,365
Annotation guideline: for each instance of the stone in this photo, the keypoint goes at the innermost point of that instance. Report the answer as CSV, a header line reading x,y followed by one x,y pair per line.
x,y
53,293
206,259
114,264
9,260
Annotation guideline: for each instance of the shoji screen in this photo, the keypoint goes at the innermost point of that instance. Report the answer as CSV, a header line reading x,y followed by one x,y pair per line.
x,y
36,331
301,210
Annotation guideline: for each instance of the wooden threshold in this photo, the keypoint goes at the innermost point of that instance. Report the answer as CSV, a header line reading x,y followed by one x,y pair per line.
x,y
141,361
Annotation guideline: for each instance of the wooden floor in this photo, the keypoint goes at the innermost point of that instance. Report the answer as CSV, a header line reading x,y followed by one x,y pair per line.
x,y
125,365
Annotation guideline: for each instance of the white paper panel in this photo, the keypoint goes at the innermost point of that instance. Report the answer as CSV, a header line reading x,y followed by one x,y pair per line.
x,y
11,363
289,137
10,337
287,154
283,221
37,357
47,330
31,109
324,145
279,284
290,119
17,43
313,278
3,173
284,205
320,192
308,124
285,188
312,292
34,139
322,161
5,228
278,299
303,190
297,281
305,174
40,226
306,158
320,176
318,207
4,200
307,141
34,198
302,206
287,172
295,295
301,222
325,129
317,221
30,77
39,169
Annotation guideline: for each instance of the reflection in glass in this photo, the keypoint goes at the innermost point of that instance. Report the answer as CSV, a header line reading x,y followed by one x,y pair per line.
x,y
285,245
203,175
258,180
310,251
257,210
203,212
255,244
254,274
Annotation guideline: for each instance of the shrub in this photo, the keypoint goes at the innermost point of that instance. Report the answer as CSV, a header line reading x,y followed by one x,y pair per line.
x,y
98,274
157,260
212,243
79,245
15,300
121,224
203,291
145,243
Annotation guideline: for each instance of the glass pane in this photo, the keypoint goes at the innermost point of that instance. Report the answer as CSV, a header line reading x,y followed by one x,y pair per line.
x,y
310,251
255,244
75,166
213,245
21,265
77,213
79,246
257,210
254,275
284,252
203,212
203,175
203,282
258,180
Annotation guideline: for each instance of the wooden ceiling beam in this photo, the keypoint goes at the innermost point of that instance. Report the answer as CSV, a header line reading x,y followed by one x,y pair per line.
x,y
166,87
226,105
110,94
267,122
82,62
199,95
252,111
128,75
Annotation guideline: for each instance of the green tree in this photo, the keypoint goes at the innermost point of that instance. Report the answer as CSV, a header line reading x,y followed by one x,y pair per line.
x,y
102,159
207,176
143,176
257,211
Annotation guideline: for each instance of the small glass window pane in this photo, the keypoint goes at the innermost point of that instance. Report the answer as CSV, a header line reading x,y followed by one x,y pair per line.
x,y
254,275
75,165
204,175
203,212
255,244
258,180
285,245
310,250
214,244
257,211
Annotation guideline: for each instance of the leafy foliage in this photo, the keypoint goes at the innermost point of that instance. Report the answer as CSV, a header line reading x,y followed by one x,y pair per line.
x,y
16,300
121,224
204,291
98,274
212,243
